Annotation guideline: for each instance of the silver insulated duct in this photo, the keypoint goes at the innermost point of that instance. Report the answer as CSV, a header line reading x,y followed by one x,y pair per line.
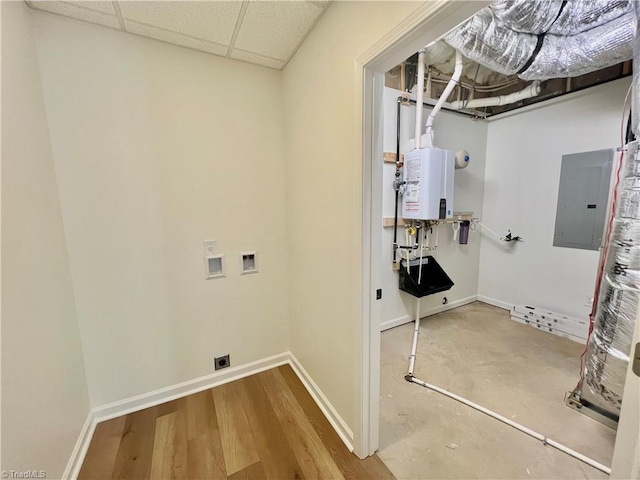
x,y
539,40
609,347
635,95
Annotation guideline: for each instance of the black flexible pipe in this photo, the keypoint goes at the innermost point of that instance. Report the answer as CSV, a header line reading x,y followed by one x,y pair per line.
x,y
395,217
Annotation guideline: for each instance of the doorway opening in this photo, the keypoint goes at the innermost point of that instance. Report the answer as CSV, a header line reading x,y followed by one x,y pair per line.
x,y
496,246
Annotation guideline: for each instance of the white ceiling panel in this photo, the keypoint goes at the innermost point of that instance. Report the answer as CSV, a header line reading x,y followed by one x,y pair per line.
x,y
263,32
175,38
211,21
275,29
74,10
257,59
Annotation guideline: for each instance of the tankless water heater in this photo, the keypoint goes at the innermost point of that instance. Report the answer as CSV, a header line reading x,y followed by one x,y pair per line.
x,y
428,177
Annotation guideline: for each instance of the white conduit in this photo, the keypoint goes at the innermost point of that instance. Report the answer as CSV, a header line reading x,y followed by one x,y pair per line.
x,y
531,91
419,99
546,441
490,231
422,233
511,423
414,346
455,78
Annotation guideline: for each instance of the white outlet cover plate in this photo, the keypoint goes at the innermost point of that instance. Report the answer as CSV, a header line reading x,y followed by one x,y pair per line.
x,y
210,247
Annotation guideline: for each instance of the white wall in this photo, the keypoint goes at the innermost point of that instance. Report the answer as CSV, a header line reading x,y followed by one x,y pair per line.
x,y
461,262
44,392
524,154
323,198
158,148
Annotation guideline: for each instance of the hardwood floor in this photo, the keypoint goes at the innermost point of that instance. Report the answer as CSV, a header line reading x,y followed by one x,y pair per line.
x,y
265,426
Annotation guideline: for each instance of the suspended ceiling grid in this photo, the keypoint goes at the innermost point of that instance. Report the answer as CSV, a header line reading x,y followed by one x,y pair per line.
x,y
266,33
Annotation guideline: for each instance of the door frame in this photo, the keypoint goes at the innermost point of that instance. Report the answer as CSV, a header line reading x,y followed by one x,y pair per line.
x,y
427,23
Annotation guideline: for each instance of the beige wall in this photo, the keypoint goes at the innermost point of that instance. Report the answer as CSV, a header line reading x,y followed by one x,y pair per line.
x,y
158,148
44,392
323,200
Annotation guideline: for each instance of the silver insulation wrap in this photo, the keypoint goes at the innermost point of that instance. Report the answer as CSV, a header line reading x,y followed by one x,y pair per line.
x,y
543,40
549,16
635,94
609,346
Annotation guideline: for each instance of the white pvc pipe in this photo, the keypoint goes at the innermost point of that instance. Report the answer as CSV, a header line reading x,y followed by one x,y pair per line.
x,y
511,423
422,233
531,91
457,73
406,236
490,231
414,345
419,99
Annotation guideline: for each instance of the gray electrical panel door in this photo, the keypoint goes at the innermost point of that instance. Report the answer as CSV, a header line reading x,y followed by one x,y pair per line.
x,y
583,197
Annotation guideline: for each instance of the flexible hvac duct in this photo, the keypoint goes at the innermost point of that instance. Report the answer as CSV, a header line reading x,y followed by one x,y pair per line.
x,y
610,342
558,17
635,95
530,39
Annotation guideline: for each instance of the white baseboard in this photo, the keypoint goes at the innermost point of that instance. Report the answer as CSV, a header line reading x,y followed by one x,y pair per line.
x,y
80,449
495,302
432,311
336,421
179,390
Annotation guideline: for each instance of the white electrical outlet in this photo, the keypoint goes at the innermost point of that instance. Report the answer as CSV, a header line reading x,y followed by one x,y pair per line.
x,y
210,247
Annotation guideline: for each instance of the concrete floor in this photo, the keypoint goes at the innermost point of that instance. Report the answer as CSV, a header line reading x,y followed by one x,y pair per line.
x,y
477,352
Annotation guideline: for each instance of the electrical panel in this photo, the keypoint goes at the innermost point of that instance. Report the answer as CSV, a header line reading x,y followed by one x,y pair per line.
x,y
428,182
583,197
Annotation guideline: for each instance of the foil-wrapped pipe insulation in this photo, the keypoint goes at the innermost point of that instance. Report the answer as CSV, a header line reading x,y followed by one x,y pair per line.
x,y
610,342
548,39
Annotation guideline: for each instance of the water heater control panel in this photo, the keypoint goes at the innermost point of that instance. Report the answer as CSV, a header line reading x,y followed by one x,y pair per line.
x,y
428,180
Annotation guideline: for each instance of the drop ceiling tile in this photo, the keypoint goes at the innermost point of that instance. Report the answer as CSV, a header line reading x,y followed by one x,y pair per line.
x,y
212,21
257,59
100,6
174,38
73,11
275,28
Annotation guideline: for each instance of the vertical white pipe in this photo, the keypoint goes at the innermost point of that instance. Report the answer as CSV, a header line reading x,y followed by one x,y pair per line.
x,y
457,73
406,242
419,99
422,232
414,345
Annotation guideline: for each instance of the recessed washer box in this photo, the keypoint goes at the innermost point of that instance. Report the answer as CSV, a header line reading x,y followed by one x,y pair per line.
x,y
214,266
248,262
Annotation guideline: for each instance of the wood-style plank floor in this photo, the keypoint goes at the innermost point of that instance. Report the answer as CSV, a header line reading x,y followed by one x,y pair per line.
x,y
265,426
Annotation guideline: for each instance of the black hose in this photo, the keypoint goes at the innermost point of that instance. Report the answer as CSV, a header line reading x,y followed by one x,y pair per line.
x,y
395,217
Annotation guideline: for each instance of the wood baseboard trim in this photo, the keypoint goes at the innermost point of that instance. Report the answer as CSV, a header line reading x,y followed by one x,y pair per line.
x,y
162,395
432,311
329,411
